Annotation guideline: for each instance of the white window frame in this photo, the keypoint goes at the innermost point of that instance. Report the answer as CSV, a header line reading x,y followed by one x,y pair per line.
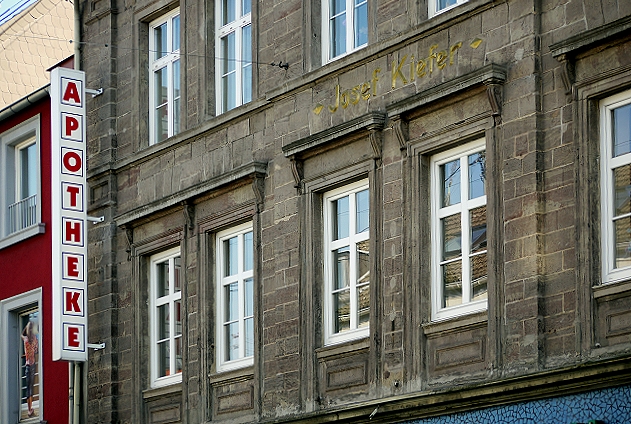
x,y
155,64
437,213
435,10
223,281
352,241
350,29
154,302
610,273
11,141
10,311
241,64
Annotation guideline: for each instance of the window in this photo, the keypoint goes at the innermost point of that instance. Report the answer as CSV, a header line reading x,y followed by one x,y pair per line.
x,y
345,27
20,160
235,297
439,6
615,146
21,380
166,318
164,79
234,53
459,251
347,262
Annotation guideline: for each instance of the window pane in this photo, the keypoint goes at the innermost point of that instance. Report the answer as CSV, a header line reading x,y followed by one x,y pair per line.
x,y
341,310
246,77
162,279
338,35
176,97
337,7
340,218
163,322
27,341
232,341
177,284
28,171
363,262
246,7
622,187
450,177
622,237
249,337
478,229
248,251
478,277
164,367
363,307
452,239
232,302
178,355
363,208
229,8
231,256
477,175
176,33
622,130
229,75
442,4
249,297
341,259
452,284
361,23
160,41
178,318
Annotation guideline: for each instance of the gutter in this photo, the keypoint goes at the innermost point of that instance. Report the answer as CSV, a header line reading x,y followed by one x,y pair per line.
x,y
24,102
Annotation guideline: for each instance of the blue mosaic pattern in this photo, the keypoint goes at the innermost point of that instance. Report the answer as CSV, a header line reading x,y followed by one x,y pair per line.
x,y
607,406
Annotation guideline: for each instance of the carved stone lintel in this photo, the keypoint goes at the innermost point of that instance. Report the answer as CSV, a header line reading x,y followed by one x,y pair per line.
x,y
189,216
400,128
258,185
129,233
567,74
494,94
297,171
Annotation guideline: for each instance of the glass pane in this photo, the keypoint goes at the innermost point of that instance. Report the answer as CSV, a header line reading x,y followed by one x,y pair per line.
x,y
229,8
452,284
478,277
163,322
162,279
340,218
363,307
231,256
477,175
246,7
178,355
160,41
338,35
177,283
27,335
337,7
248,251
28,171
622,187
178,318
363,262
622,236
232,302
246,77
162,125
621,130
363,211
450,177
176,33
445,3
249,337
176,97
341,311
478,229
361,23
232,341
163,359
249,297
341,259
452,239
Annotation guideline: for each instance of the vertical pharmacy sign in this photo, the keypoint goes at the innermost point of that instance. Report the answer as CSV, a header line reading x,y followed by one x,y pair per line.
x,y
69,195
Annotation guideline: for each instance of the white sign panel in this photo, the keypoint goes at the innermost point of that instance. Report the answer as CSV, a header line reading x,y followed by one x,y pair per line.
x,y
69,200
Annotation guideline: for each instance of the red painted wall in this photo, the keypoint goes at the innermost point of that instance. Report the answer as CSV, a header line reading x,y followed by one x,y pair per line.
x,y
27,265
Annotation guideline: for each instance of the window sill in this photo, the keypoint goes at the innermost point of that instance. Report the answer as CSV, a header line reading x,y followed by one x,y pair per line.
x,y
343,348
611,289
222,378
14,238
162,391
456,324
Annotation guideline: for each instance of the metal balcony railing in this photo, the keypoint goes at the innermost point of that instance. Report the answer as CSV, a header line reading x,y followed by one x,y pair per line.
x,y
23,214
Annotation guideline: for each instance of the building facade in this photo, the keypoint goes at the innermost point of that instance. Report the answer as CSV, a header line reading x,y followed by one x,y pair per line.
x,y
359,211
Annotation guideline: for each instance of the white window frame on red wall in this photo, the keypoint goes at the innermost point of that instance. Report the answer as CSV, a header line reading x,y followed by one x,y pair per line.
x,y
244,272
170,299
169,61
